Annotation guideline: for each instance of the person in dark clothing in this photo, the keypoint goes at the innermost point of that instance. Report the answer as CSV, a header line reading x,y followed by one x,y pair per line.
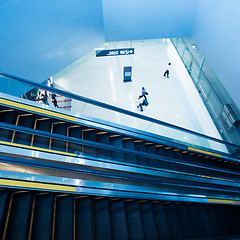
x,y
143,99
44,99
166,74
54,100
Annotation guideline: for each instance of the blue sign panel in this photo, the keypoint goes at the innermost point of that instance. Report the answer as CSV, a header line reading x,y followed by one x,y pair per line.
x,y
114,52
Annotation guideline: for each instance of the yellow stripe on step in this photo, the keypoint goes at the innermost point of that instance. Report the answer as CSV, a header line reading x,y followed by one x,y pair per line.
x,y
14,183
37,110
36,148
205,152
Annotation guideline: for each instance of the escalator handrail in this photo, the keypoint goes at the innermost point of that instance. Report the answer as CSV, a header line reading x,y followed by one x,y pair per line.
x,y
116,109
112,148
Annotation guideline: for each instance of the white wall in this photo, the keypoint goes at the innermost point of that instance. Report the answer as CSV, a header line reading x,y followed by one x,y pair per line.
x,y
40,37
217,34
147,19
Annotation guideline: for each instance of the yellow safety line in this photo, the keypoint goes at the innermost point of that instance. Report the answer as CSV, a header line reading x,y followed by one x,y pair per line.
x,y
6,182
222,201
223,179
202,151
38,110
36,148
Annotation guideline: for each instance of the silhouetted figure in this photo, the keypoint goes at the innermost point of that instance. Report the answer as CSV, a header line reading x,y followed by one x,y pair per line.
x,y
143,99
44,99
54,100
167,70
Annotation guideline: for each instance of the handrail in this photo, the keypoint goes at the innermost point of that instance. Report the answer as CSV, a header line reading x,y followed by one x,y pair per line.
x,y
113,148
113,108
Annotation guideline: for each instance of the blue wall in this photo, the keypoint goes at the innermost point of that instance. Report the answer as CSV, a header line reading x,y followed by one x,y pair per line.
x,y
148,19
217,34
40,37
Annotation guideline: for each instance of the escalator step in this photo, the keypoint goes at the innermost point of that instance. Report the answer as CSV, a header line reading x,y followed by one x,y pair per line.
x,y
64,218
3,209
90,136
162,164
148,221
173,166
195,220
118,220
140,146
102,220
76,132
205,221
232,216
216,229
134,224
24,121
20,212
61,129
43,216
129,158
185,221
117,142
43,125
173,221
6,135
103,138
8,116
84,223
152,162
221,219
161,221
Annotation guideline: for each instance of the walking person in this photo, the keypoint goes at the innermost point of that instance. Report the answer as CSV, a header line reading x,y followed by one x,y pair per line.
x,y
166,74
142,99
54,100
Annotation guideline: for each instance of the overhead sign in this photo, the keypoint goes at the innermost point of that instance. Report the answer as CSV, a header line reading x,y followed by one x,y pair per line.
x,y
114,52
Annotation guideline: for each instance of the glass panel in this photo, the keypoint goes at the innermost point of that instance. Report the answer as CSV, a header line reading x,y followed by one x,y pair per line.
x,y
180,47
194,50
175,41
211,89
195,71
204,86
187,58
13,88
215,105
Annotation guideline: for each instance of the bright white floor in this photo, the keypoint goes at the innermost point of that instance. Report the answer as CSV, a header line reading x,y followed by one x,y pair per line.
x,y
173,100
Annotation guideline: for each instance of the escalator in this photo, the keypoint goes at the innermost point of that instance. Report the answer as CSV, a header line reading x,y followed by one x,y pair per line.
x,y
68,176
46,215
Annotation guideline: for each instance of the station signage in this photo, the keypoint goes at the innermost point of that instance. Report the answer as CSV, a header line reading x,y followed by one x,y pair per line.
x,y
114,52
